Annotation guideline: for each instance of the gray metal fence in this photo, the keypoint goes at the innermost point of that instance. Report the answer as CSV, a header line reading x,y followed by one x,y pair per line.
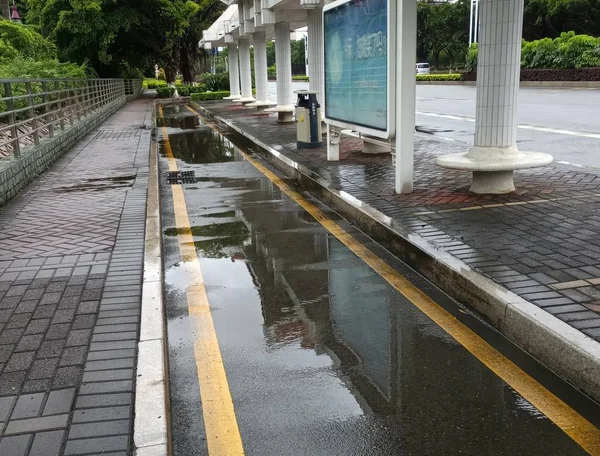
x,y
34,109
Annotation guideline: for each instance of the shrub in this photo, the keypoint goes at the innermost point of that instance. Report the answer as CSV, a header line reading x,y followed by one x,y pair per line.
x,y
300,78
165,92
207,96
471,62
197,88
569,51
439,77
215,82
183,91
272,71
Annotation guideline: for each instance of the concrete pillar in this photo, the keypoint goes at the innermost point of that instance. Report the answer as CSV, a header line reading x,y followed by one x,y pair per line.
x,y
245,71
234,75
406,90
494,155
283,61
260,71
316,54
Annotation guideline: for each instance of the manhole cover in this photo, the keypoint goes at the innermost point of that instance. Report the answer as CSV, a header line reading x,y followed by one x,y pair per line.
x,y
181,177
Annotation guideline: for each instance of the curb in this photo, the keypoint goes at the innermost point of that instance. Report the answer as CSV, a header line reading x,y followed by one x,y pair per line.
x,y
151,434
563,349
540,84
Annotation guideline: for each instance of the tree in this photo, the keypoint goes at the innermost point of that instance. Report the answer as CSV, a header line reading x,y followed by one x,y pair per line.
x,y
549,18
442,28
116,38
207,12
298,57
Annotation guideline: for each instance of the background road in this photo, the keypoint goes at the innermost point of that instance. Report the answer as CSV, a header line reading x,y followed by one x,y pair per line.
x,y
561,122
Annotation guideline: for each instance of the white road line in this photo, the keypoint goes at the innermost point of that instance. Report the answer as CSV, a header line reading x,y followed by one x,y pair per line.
x,y
581,134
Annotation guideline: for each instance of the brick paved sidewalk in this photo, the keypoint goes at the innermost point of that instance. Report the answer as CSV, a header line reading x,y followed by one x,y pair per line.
x,y
542,241
71,254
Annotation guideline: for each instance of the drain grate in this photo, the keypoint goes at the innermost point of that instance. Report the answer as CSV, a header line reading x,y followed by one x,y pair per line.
x,y
181,177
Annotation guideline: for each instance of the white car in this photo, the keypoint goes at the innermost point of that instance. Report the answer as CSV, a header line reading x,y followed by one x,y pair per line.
x,y
422,68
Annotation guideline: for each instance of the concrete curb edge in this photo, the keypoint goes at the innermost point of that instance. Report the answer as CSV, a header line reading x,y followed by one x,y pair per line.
x,y
539,84
152,425
563,349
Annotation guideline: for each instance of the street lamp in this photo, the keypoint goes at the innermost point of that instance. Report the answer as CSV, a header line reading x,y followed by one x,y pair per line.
x,y
474,22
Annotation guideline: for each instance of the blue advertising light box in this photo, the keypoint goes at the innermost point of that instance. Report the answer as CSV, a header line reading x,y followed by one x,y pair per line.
x,y
359,65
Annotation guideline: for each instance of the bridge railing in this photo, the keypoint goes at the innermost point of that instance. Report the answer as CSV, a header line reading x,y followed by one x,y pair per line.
x,y
32,110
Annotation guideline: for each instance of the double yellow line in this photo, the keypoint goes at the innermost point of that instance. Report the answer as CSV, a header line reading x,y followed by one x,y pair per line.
x,y
224,420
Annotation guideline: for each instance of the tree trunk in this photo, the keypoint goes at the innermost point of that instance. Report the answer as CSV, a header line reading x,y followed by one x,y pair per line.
x,y
5,9
170,73
186,67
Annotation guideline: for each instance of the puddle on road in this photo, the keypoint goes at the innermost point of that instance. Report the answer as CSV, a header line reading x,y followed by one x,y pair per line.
x,y
350,358
98,184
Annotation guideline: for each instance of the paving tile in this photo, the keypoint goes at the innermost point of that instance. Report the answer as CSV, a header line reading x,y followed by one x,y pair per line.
x,y
20,361
102,414
107,375
109,364
43,368
29,425
84,321
571,284
67,376
51,348
47,443
29,343
119,386
28,406
37,326
79,337
46,311
73,356
58,331
99,429
11,382
10,336
18,321
36,386
111,354
100,445
59,401
15,446
103,400
6,405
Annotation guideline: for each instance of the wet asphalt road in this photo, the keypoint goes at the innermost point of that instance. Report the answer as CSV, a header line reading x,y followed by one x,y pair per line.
x,y
576,111
322,355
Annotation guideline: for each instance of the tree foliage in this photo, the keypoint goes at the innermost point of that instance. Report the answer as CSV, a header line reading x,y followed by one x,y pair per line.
x,y
565,52
549,18
116,37
442,29
24,53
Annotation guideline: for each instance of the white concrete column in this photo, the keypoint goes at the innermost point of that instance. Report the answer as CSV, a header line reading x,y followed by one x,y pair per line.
x,y
406,90
234,75
316,75
494,154
283,62
260,71
245,71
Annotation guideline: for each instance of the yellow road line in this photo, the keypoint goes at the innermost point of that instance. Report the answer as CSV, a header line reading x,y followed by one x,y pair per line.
x,y
222,431
572,423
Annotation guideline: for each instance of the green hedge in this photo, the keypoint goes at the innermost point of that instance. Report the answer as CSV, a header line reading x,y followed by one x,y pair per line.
x,y
165,92
565,52
208,96
439,77
300,78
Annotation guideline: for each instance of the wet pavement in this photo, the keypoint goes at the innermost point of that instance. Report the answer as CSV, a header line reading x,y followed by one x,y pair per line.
x,y
323,356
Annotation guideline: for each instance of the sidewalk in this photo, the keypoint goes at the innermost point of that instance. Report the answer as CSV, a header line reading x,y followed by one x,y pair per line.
x,y
541,242
71,259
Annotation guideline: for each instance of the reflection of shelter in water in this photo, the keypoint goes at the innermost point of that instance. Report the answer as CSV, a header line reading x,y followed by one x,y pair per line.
x,y
394,360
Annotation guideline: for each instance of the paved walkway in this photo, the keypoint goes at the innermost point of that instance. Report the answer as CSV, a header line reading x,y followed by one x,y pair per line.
x,y
542,241
71,258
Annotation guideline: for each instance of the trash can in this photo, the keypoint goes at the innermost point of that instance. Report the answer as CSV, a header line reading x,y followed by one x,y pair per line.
x,y
308,120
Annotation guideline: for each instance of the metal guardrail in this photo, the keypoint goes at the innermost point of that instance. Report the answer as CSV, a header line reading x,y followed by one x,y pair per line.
x,y
35,109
